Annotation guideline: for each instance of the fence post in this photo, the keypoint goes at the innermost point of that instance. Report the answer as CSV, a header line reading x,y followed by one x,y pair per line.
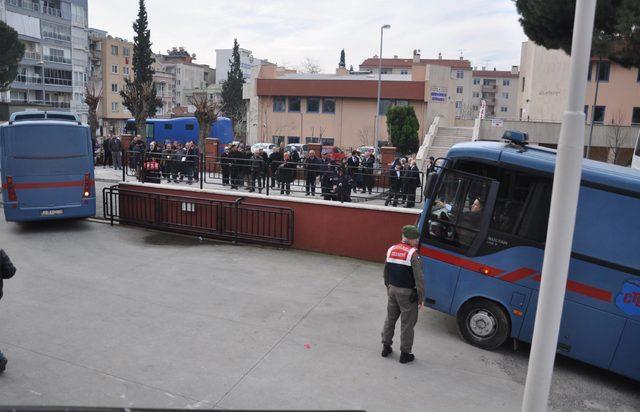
x,y
237,219
267,182
123,163
203,164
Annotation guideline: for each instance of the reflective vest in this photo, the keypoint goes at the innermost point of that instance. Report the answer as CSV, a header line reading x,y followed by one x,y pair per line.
x,y
399,266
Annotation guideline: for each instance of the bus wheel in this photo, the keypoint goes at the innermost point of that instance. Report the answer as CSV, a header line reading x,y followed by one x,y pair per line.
x,y
484,324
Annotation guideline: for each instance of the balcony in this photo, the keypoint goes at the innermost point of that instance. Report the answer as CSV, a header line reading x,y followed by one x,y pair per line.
x,y
57,105
31,55
24,79
57,59
52,11
490,102
489,88
25,4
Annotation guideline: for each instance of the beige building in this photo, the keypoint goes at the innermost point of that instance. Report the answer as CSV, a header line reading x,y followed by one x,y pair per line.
x,y
190,77
544,86
111,60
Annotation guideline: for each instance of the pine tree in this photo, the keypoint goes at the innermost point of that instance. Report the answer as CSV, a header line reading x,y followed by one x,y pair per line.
x,y
11,52
232,104
342,59
139,95
142,54
549,23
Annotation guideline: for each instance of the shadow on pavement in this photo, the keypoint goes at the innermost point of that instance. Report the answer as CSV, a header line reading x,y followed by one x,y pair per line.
x,y
51,226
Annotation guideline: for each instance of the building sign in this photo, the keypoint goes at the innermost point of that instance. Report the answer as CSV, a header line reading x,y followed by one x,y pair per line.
x,y
497,123
439,94
628,300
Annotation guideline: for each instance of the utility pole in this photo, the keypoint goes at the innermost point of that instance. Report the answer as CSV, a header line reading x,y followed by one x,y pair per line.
x,y
377,125
562,218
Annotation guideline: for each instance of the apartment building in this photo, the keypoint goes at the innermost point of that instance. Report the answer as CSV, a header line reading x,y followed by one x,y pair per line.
x,y
111,58
54,70
544,83
247,62
467,88
165,84
189,76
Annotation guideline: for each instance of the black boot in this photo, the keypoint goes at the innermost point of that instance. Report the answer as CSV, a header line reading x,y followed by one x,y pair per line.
x,y
3,362
386,350
406,357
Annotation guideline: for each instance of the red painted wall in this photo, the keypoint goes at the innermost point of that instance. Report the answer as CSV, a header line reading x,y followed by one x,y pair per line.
x,y
329,228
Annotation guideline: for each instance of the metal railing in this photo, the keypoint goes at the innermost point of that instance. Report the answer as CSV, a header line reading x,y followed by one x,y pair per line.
x,y
25,4
32,55
226,220
56,59
28,79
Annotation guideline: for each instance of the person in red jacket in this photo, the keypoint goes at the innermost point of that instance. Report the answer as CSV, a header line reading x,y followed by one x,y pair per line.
x,y
7,270
405,290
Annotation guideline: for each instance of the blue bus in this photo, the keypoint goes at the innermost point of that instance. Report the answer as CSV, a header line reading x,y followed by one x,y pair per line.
x,y
46,167
484,228
183,129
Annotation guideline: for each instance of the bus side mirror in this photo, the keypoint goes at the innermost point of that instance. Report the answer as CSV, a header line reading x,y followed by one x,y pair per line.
x,y
430,184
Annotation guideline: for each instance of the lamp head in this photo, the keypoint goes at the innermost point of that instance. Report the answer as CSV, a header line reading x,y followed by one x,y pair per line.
x,y
386,26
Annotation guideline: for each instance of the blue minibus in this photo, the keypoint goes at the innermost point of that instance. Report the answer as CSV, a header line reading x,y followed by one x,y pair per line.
x,y
484,227
46,167
183,129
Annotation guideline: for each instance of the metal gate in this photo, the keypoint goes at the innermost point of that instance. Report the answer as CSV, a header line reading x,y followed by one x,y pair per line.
x,y
219,219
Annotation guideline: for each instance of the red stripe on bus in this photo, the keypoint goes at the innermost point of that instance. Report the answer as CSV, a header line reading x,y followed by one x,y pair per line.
x,y
586,290
518,275
47,185
461,262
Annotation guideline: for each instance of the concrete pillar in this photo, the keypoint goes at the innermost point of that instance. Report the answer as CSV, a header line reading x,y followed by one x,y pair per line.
x,y
212,152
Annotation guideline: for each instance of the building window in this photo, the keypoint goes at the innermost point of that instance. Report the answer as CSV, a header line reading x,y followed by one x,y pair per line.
x,y
58,77
505,95
328,141
474,108
635,116
402,102
55,31
598,114
279,104
114,88
313,105
476,81
126,51
293,139
114,50
308,140
294,104
458,105
476,94
189,126
586,111
404,71
125,70
459,74
277,140
114,106
604,68
506,82
589,72
328,105
459,89
385,105
523,84
114,69
503,109
178,82
386,71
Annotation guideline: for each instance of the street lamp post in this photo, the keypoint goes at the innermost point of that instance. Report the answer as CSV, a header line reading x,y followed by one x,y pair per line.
x,y
377,125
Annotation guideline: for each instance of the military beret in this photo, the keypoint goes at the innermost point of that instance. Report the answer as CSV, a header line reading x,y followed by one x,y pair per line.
x,y
410,232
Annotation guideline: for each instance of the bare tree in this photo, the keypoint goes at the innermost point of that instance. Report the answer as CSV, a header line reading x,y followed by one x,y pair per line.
x,y
207,112
310,65
92,99
617,136
140,100
366,135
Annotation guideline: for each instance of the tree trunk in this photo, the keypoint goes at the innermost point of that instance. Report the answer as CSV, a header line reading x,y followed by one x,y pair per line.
x,y
141,126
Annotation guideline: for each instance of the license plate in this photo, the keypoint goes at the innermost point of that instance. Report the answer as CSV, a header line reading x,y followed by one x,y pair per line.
x,y
57,212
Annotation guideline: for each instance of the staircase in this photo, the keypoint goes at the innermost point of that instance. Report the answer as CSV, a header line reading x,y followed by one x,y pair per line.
x,y
447,137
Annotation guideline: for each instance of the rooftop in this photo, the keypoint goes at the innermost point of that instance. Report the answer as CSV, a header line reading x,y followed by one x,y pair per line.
x,y
495,73
359,76
402,63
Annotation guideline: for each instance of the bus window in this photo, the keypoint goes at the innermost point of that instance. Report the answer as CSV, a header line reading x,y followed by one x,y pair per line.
x,y
458,209
150,131
189,126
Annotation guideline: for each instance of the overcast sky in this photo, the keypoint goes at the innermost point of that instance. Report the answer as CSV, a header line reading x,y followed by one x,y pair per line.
x,y
287,32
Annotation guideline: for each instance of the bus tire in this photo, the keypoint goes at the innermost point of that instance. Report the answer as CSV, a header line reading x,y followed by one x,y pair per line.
x,y
484,323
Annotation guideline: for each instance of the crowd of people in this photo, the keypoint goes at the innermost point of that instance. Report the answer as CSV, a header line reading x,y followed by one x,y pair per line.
x,y
240,167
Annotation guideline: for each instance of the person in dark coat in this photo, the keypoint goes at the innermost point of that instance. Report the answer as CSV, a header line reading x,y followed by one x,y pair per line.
x,y
343,185
395,185
353,163
286,174
106,149
411,183
154,155
191,164
137,152
256,169
295,156
265,166
225,166
275,159
115,148
7,270
166,163
329,173
367,172
312,165
236,165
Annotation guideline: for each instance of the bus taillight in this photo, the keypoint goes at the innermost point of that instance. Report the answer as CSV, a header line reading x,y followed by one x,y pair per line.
x,y
11,189
86,191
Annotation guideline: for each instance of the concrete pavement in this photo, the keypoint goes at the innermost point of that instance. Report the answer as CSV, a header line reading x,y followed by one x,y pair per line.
x,y
117,316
